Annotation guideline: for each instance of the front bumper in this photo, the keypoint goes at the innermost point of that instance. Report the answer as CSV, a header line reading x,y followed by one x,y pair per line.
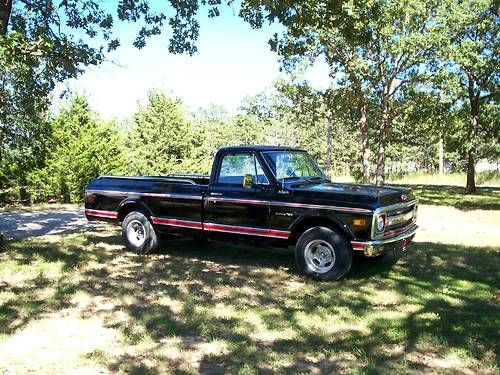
x,y
385,245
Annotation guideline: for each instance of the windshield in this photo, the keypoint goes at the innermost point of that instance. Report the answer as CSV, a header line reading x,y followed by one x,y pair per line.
x,y
287,165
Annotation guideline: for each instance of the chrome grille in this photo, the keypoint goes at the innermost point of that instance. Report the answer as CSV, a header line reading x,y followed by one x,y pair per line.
x,y
399,218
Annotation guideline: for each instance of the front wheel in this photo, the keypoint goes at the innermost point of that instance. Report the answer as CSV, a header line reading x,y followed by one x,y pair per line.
x,y
138,233
323,253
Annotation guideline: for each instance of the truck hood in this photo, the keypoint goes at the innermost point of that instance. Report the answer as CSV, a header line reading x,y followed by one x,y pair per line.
x,y
368,194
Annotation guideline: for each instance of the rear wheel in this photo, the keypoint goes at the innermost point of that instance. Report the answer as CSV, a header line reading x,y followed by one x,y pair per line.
x,y
138,233
323,253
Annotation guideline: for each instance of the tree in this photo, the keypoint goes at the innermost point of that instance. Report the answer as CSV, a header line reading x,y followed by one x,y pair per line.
x,y
43,42
295,114
82,147
377,47
160,138
470,53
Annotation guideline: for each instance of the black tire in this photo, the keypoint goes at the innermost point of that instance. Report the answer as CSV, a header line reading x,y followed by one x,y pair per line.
x,y
138,233
323,254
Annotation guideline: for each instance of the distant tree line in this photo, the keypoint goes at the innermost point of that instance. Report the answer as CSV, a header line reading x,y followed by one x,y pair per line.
x,y
75,145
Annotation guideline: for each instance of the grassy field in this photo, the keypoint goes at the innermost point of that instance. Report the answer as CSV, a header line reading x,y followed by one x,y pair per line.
x,y
81,303
448,190
455,179
484,179
486,198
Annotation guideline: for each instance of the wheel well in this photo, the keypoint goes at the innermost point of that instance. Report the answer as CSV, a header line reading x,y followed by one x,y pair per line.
x,y
129,207
316,222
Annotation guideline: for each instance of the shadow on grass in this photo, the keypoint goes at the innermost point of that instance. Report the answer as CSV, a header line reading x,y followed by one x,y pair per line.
x,y
486,198
254,313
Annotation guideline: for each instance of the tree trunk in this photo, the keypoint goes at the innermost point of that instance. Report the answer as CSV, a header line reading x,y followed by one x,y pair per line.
x,y
440,153
383,128
329,146
5,11
363,126
470,187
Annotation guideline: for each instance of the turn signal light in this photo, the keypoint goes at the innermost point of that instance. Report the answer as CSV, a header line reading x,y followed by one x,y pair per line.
x,y
359,222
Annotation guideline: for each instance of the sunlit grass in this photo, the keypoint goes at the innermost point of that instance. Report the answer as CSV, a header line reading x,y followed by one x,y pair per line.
x,y
448,190
217,308
486,198
452,179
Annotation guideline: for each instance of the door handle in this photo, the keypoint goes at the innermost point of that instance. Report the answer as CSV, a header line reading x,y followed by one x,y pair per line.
x,y
215,194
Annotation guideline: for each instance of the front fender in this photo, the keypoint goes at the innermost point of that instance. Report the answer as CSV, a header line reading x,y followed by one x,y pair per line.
x,y
321,218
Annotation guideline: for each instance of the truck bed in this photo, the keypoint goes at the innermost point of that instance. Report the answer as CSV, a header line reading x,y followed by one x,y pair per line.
x,y
173,178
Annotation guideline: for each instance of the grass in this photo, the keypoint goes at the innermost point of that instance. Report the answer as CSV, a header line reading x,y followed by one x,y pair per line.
x,y
448,190
80,302
485,179
486,198
453,179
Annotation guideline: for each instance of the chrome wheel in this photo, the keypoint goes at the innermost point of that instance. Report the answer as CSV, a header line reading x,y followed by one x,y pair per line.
x,y
136,233
319,256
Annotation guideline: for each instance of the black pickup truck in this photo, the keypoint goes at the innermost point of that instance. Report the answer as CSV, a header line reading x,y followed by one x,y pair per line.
x,y
260,194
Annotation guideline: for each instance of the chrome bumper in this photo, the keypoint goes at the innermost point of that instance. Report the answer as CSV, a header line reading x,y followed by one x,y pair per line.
x,y
382,246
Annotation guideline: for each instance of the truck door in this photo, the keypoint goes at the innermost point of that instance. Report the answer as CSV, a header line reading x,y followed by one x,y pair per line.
x,y
238,204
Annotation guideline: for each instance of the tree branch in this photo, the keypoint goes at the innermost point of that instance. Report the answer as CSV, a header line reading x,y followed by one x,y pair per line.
x,y
5,11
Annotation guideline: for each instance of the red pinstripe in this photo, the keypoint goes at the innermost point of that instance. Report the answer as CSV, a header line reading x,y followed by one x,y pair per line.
x,y
177,223
101,213
246,230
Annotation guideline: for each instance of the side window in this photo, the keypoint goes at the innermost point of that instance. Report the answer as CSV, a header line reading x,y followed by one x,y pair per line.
x,y
235,166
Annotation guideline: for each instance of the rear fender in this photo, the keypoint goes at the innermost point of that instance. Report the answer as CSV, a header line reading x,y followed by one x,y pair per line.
x,y
132,204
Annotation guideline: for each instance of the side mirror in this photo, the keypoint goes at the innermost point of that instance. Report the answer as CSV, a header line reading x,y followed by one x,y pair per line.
x,y
248,181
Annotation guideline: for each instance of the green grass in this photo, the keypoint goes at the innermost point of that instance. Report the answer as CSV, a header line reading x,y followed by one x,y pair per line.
x,y
448,190
195,308
485,179
486,198
454,179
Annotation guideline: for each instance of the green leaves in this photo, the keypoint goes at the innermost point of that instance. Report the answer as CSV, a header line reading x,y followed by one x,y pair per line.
x,y
160,138
82,147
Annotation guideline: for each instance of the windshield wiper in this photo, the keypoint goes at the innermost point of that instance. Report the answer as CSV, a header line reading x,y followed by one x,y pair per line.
x,y
316,179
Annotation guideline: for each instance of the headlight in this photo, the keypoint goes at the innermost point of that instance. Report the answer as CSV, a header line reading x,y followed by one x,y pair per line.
x,y
380,222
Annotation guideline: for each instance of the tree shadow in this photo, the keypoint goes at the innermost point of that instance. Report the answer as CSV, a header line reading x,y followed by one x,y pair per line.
x,y
191,298
23,224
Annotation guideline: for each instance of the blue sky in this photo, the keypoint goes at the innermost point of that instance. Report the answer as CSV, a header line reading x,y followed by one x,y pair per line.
x,y
232,61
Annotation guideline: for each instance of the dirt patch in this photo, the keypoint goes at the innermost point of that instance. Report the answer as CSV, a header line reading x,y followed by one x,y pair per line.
x,y
449,225
56,344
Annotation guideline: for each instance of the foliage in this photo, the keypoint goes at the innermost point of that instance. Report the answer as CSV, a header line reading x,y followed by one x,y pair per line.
x,y
398,68
43,42
470,55
159,139
82,147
